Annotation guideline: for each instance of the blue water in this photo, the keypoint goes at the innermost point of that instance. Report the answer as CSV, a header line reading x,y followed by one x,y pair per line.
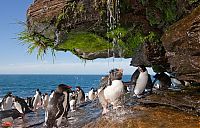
x,y
25,85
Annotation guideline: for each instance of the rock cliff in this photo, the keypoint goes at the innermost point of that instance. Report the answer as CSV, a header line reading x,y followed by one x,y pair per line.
x,y
120,28
182,45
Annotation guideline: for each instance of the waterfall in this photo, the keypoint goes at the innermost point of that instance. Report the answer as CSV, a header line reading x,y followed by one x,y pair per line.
x,y
113,17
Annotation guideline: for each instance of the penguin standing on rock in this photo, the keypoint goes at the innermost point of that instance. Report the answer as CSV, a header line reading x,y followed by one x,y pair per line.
x,y
29,101
111,90
37,100
57,106
7,102
164,80
91,94
45,100
80,95
21,105
141,81
73,103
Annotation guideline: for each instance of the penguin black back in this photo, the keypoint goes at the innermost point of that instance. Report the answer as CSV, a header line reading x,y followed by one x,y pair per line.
x,y
23,104
55,109
58,105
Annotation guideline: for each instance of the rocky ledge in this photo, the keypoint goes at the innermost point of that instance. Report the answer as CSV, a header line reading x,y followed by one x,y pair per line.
x,y
125,28
161,109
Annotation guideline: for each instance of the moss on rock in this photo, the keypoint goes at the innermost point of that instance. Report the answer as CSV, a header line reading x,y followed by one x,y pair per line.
x,y
85,41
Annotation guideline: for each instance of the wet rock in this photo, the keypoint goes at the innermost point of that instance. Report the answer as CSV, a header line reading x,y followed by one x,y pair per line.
x,y
161,109
10,113
95,55
147,117
182,43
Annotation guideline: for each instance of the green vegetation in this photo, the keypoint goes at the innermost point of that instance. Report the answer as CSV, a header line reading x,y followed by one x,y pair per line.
x,y
137,39
84,41
161,12
192,1
129,39
72,11
143,2
153,17
117,33
36,41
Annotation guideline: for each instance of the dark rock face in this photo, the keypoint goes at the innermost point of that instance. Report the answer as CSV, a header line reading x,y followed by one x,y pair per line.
x,y
46,17
182,45
95,55
151,54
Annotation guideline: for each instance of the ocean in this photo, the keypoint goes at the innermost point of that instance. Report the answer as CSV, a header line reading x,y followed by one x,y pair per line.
x,y
25,85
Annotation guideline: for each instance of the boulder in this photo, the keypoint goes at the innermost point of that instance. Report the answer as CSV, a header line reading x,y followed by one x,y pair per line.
x,y
182,44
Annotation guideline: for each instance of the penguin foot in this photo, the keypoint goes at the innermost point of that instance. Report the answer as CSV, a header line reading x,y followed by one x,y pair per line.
x,y
140,96
73,110
116,107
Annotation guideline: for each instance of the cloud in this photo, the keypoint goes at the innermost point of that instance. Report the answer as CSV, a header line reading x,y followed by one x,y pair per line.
x,y
88,67
65,68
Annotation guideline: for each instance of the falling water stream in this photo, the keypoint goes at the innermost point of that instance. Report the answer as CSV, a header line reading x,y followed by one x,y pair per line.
x,y
113,17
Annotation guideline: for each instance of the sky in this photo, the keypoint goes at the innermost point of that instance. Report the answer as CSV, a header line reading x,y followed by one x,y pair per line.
x,y
14,58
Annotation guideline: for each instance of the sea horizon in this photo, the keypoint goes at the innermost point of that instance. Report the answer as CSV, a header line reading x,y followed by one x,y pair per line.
x,y
58,74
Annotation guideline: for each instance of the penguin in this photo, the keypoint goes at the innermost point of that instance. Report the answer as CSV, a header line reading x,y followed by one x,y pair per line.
x,y
73,103
134,77
86,97
51,95
91,94
149,85
111,92
7,102
45,100
29,101
80,95
141,81
57,106
37,100
20,105
164,80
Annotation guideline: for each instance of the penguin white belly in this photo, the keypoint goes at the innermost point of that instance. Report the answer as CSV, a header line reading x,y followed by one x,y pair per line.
x,y
59,120
91,95
37,101
45,101
114,91
72,104
8,103
18,107
141,83
51,96
80,96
